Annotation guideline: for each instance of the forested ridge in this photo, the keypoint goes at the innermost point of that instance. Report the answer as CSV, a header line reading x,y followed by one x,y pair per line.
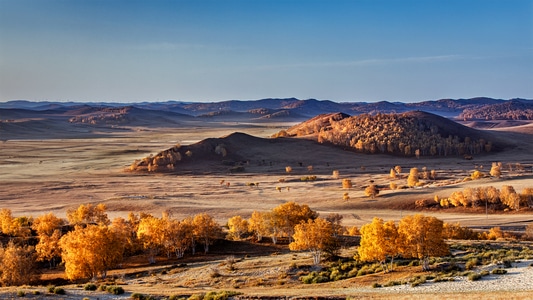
x,y
511,110
410,134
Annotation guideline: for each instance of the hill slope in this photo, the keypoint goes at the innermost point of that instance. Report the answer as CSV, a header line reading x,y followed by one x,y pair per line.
x,y
412,133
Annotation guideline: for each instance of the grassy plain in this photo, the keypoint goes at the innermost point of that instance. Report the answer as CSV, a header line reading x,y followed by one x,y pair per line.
x,y
41,174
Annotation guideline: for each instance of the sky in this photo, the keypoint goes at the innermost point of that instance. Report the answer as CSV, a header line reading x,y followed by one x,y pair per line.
x,y
207,51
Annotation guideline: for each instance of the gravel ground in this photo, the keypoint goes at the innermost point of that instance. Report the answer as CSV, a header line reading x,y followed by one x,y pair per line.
x,y
518,278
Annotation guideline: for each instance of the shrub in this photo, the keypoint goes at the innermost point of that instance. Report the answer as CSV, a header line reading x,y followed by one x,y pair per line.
x,y
499,271
221,295
140,296
471,263
21,294
474,276
376,285
115,290
59,291
392,283
36,292
90,287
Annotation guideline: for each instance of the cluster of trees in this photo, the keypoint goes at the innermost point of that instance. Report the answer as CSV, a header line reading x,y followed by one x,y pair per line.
x,y
417,236
394,134
104,115
164,160
90,244
504,198
276,223
511,110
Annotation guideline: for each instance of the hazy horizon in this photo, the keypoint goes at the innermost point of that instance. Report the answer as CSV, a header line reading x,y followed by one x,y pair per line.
x,y
212,51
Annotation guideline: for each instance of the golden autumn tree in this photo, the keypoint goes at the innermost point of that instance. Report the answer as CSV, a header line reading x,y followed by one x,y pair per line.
x,y
510,197
495,170
206,230
48,229
421,237
12,226
288,215
17,265
6,221
238,227
371,191
89,252
127,233
259,224
412,179
88,214
151,234
379,242
315,236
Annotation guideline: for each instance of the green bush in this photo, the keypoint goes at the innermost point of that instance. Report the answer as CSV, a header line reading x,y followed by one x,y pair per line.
x,y
376,285
221,295
392,283
196,297
115,290
21,294
90,287
59,291
474,276
499,271
471,263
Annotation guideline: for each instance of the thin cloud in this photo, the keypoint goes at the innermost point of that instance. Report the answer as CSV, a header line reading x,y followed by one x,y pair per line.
x,y
367,62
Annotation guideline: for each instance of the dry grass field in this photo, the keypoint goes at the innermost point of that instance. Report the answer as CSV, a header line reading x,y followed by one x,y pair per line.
x,y
39,174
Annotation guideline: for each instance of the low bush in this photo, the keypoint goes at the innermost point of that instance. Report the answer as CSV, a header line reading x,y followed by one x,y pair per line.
x,y
499,271
59,291
392,283
90,287
115,290
221,295
471,263
21,294
376,285
474,276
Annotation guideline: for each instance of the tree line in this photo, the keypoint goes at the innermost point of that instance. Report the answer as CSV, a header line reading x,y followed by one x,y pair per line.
x,y
398,134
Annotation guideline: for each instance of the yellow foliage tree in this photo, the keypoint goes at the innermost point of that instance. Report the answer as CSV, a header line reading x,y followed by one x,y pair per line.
x,y
17,265
287,215
412,179
238,227
379,242
151,233
14,226
48,229
89,252
259,224
126,232
315,236
206,230
88,214
421,238
509,197
371,191
495,170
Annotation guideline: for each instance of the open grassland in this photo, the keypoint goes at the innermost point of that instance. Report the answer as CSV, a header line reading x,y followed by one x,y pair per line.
x,y
53,175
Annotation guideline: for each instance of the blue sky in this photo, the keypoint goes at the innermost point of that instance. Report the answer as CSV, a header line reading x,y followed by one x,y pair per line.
x,y
366,50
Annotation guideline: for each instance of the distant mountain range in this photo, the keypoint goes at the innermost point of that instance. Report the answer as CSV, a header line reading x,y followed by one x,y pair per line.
x,y
264,110
289,108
